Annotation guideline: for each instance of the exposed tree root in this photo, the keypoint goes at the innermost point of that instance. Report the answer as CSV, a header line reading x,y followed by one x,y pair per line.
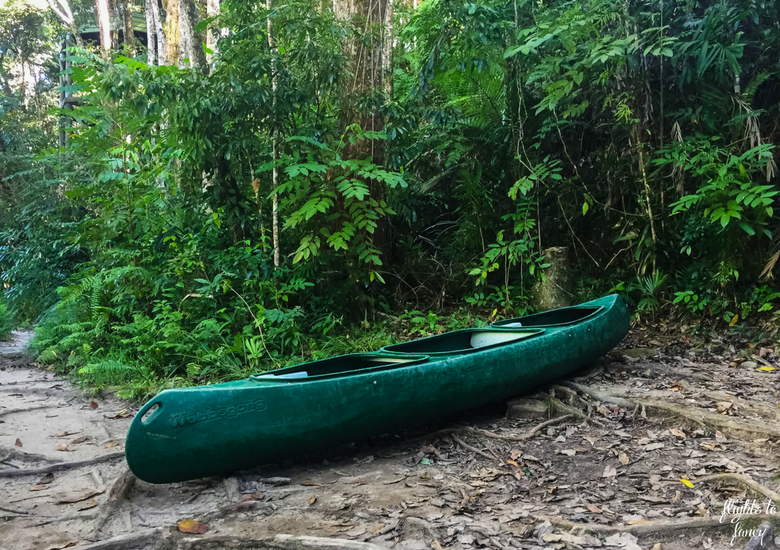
x,y
121,486
727,424
278,542
651,527
523,437
383,531
460,442
60,466
12,453
599,395
27,409
745,480
140,539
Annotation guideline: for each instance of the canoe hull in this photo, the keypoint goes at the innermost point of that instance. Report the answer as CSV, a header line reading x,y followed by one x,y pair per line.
x,y
214,430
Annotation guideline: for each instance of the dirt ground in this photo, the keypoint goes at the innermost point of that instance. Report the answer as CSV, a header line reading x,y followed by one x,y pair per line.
x,y
644,449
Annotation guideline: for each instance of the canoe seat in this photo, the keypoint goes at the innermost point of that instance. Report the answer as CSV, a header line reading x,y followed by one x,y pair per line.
x,y
463,341
485,339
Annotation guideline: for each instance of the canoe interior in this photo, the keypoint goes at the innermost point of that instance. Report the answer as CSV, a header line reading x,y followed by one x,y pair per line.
x,y
462,341
342,365
555,317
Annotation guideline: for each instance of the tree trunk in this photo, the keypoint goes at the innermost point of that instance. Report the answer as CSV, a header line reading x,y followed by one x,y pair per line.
x,y
557,288
370,52
162,43
387,50
104,24
172,32
192,42
212,35
127,17
275,146
151,37
63,11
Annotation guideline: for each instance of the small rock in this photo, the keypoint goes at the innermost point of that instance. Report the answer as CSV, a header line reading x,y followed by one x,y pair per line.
x,y
764,538
640,353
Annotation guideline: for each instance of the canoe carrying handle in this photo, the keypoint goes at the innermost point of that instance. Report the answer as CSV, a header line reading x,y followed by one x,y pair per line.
x,y
151,412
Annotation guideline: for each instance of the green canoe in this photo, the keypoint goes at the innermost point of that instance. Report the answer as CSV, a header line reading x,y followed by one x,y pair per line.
x,y
190,433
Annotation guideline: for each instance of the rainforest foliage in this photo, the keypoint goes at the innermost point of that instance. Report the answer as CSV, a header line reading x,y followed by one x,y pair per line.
x,y
359,174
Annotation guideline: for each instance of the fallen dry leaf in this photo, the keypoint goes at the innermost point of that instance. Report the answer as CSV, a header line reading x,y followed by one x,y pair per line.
x,y
312,500
724,406
78,440
63,447
677,433
91,503
677,497
609,471
595,509
251,497
116,416
192,526
45,480
78,496
39,487
623,458
18,442
70,544
112,444
569,452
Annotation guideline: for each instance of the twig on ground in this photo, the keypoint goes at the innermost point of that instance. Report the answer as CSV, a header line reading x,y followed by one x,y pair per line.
x,y
12,510
60,466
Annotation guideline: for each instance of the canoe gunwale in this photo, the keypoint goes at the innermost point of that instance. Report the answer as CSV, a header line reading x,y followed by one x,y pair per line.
x,y
410,360
596,310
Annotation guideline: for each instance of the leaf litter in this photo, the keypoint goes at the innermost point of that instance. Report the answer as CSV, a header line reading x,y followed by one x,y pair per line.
x,y
575,484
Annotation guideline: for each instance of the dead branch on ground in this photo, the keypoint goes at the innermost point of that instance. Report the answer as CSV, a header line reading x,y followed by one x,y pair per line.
x,y
61,466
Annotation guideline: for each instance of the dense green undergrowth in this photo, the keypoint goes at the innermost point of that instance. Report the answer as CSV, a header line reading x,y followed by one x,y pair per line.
x,y
205,222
